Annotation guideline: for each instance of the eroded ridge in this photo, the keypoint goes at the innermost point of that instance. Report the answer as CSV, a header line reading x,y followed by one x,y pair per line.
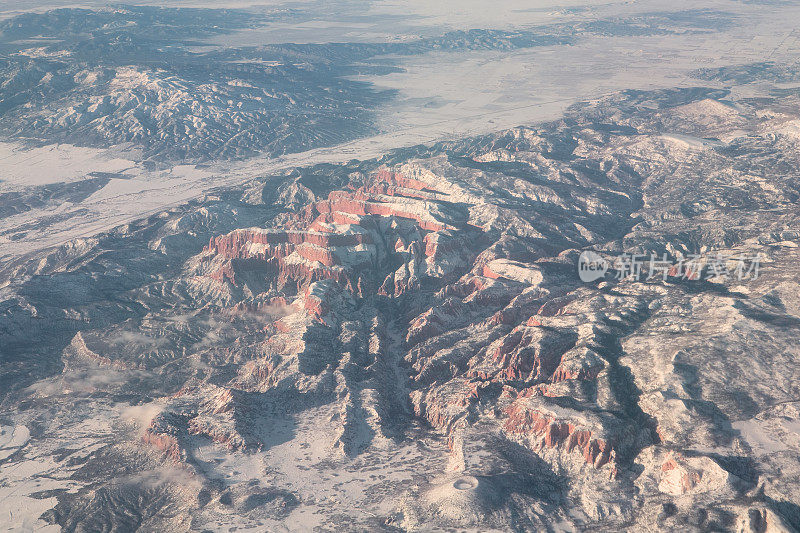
x,y
416,325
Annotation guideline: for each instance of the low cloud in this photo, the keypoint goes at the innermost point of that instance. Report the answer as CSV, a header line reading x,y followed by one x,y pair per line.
x,y
140,415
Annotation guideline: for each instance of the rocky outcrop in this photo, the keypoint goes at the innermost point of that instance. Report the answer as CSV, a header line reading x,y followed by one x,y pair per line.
x,y
353,237
420,329
546,430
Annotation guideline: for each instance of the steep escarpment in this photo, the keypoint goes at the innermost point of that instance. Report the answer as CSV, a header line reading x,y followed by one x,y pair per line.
x,y
416,325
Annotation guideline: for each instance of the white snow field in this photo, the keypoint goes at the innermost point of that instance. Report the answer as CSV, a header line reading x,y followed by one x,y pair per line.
x,y
440,95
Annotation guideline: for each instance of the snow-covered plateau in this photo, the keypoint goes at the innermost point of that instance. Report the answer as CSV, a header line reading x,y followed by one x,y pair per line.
x,y
295,267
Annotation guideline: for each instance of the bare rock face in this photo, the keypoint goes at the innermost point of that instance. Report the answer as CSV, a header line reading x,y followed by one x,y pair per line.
x,y
678,478
384,238
406,342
